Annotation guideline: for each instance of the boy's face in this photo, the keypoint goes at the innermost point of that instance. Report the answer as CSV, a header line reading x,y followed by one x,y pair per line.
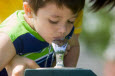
x,y
53,23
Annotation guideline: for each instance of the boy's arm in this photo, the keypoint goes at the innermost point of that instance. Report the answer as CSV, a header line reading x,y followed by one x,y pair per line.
x,y
14,64
18,64
7,50
70,60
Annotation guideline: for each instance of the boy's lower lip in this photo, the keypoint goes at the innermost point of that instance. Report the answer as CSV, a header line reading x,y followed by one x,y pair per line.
x,y
58,38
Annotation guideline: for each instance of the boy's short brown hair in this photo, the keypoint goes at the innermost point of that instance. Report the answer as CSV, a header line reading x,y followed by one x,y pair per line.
x,y
74,5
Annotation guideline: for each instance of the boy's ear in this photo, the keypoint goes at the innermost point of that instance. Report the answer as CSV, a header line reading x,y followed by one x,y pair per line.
x,y
27,9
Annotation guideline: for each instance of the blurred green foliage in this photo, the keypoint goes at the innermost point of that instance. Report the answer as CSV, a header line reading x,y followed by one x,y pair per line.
x,y
95,33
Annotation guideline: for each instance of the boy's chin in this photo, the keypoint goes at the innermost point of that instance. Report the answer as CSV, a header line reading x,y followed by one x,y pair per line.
x,y
50,42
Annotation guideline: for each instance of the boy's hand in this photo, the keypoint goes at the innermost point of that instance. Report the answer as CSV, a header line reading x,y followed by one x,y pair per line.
x,y
18,64
67,50
71,58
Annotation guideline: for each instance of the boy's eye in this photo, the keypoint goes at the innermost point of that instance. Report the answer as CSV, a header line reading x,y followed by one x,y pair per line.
x,y
53,22
71,22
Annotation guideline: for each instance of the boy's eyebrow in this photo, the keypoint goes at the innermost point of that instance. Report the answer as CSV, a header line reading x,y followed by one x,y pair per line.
x,y
75,16
56,16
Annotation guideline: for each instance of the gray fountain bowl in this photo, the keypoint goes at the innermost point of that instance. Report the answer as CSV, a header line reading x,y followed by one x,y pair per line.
x,y
59,72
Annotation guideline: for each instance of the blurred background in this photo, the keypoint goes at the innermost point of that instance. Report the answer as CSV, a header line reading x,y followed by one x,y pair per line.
x,y
97,36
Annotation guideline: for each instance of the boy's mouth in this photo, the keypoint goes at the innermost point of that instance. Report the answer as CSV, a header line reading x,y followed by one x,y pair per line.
x,y
60,42
58,38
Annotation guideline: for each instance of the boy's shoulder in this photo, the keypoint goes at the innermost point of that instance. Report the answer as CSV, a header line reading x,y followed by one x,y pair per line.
x,y
10,22
13,24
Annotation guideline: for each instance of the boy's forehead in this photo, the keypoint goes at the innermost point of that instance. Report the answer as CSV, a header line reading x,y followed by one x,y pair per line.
x,y
54,7
53,10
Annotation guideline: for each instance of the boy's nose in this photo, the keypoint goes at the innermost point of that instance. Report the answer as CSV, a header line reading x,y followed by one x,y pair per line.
x,y
62,30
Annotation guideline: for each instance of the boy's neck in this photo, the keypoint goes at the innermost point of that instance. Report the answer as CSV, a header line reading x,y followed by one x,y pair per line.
x,y
29,21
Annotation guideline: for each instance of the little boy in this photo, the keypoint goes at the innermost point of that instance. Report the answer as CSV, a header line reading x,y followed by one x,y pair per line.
x,y
30,32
